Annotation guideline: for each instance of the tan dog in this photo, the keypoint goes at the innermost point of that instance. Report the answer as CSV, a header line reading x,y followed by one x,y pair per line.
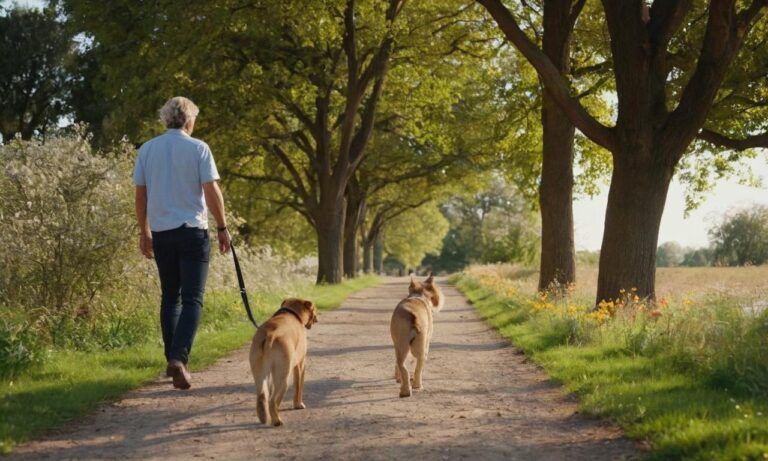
x,y
411,330
279,348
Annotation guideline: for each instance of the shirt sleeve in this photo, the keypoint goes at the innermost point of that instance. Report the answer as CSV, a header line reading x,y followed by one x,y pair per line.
x,y
138,171
208,171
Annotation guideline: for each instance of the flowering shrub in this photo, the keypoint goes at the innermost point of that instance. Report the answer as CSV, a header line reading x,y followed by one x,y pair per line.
x,y
66,219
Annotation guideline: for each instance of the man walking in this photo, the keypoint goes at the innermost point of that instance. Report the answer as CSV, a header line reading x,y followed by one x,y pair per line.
x,y
175,178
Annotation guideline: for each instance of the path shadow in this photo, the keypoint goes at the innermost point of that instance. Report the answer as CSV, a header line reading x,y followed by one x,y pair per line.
x,y
346,350
367,310
495,346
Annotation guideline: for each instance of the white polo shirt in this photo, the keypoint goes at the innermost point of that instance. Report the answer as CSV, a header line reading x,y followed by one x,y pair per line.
x,y
174,166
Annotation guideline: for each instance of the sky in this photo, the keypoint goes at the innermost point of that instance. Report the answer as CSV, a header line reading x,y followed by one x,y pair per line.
x,y
691,231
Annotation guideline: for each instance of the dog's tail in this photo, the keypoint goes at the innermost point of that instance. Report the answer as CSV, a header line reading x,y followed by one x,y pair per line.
x,y
416,323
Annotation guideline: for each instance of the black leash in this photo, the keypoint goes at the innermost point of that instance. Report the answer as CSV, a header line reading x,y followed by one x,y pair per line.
x,y
241,282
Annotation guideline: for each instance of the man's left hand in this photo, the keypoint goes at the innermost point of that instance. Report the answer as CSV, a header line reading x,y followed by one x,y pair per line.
x,y
225,241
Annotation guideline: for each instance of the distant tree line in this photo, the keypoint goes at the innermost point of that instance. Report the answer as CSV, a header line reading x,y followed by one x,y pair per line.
x,y
740,239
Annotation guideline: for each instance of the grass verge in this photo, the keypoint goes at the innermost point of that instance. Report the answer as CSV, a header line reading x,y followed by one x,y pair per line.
x,y
658,397
69,384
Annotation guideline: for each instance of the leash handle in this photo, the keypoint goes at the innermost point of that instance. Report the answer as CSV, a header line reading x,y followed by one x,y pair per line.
x,y
241,282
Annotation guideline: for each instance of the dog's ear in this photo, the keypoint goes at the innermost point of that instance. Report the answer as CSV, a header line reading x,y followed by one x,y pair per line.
x,y
429,279
284,303
310,307
413,282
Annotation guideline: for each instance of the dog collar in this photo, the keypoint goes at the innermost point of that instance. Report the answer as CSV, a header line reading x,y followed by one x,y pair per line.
x,y
423,299
283,310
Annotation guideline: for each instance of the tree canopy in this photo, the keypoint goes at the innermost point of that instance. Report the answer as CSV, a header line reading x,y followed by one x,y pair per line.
x,y
35,84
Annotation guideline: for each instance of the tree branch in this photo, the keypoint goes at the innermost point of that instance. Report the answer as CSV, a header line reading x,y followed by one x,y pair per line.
x,y
750,142
575,12
350,47
666,17
363,134
553,81
264,179
300,189
295,205
723,37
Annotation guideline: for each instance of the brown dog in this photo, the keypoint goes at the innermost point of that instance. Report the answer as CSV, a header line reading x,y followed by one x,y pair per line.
x,y
411,330
279,348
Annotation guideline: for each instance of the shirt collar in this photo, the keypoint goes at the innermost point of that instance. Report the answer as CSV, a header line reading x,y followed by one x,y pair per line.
x,y
178,131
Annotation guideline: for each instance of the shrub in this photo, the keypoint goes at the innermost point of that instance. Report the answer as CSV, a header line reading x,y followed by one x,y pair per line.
x,y
19,347
67,222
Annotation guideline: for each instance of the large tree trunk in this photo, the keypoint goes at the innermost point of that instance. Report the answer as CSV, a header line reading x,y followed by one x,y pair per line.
x,y
330,239
636,201
351,254
367,256
354,215
558,255
378,253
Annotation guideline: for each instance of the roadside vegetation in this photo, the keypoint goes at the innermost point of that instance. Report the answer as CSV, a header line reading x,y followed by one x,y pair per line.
x,y
79,305
688,373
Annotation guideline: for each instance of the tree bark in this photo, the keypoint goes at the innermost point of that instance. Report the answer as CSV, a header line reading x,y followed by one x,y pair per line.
x,y
351,244
558,254
354,216
378,253
367,256
330,239
636,202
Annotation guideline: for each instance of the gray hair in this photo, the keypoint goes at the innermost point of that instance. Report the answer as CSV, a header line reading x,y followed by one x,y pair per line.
x,y
177,111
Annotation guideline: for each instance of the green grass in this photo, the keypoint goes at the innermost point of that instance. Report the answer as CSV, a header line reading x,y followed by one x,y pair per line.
x,y
680,412
69,384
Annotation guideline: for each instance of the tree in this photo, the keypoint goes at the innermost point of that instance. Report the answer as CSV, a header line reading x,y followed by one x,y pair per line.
x,y
34,83
411,164
660,112
292,89
669,254
698,257
415,233
742,237
540,160
558,252
490,226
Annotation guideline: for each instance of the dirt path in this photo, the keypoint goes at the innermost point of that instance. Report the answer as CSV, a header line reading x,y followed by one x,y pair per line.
x,y
482,400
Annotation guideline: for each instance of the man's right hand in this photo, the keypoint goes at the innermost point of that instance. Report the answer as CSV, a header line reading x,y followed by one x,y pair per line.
x,y
145,245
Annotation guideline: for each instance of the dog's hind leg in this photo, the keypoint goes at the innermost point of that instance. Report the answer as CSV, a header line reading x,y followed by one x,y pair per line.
x,y
280,371
419,349
260,371
261,398
401,353
298,386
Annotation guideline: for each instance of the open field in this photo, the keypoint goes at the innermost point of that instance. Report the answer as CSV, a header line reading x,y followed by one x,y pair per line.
x,y
746,284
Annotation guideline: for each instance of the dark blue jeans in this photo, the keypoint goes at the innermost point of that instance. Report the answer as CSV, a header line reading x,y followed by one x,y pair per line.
x,y
182,261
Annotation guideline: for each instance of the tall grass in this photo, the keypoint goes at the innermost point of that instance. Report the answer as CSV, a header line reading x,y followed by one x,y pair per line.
x,y
690,372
